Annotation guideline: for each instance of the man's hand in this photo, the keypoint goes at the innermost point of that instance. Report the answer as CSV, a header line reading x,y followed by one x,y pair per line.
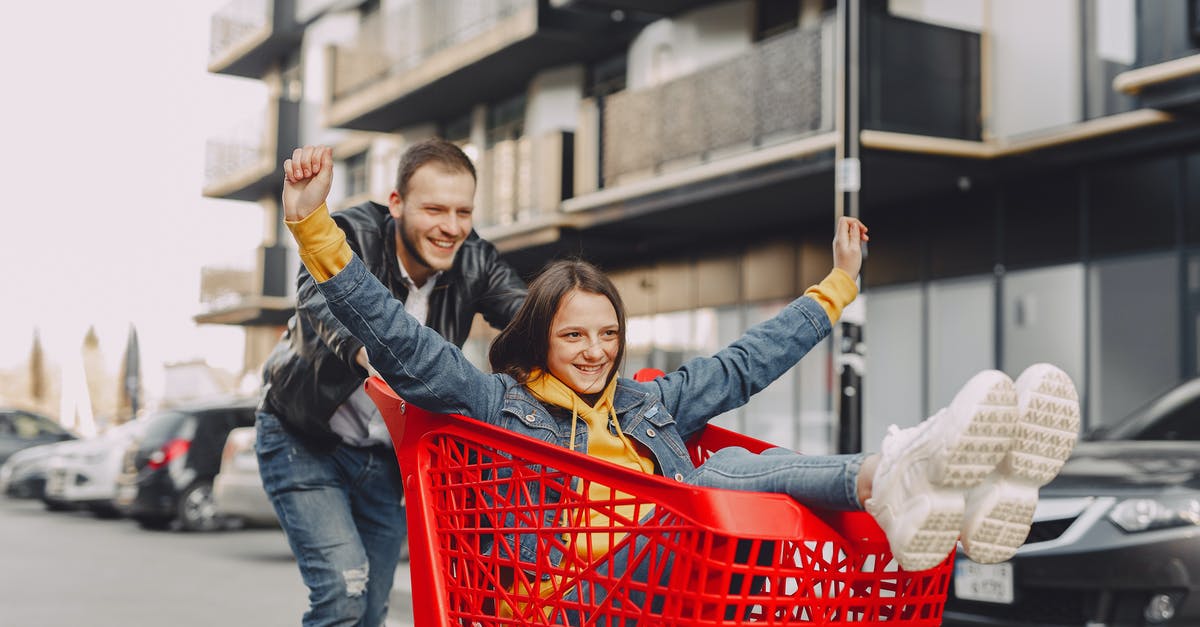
x,y
361,358
308,176
848,241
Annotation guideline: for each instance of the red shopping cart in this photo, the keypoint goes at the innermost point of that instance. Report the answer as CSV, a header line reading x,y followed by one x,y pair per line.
x,y
678,554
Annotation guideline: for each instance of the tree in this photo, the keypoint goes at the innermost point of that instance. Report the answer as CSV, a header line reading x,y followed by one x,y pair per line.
x,y
37,372
129,391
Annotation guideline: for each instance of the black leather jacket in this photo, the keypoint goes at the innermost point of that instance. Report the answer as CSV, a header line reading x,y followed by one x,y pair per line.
x,y
313,369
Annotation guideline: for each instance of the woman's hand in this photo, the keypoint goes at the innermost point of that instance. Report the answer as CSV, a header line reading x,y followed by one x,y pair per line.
x,y
848,240
308,175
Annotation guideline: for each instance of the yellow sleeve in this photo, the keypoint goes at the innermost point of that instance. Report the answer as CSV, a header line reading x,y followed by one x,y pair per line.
x,y
323,247
833,293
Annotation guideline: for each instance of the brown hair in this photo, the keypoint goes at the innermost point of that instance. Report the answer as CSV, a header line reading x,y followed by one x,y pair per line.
x,y
434,150
525,342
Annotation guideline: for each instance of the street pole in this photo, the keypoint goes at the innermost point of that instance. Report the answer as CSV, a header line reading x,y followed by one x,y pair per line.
x,y
851,344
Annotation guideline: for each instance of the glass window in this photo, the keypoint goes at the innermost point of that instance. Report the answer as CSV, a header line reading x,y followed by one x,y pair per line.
x,y
1133,340
962,315
162,428
1043,319
1191,207
896,251
962,235
357,175
1041,221
1132,206
772,17
893,386
1181,424
30,426
771,414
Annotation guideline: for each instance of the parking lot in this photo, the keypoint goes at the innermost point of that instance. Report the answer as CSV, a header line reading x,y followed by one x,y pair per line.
x,y
71,568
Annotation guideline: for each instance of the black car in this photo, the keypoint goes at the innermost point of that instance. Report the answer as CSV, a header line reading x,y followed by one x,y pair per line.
x,y
1116,536
21,429
168,471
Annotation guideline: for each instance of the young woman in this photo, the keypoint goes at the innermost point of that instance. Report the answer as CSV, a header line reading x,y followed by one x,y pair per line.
x,y
971,470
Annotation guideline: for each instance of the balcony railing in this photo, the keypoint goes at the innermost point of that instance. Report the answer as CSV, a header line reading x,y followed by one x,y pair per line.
x,y
523,179
780,89
239,152
236,24
252,289
226,284
393,43
241,162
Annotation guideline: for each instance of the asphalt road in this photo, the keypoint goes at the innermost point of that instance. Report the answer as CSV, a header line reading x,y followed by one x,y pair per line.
x,y
72,569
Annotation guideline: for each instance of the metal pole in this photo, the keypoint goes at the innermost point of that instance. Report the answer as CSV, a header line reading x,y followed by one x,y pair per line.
x,y
851,345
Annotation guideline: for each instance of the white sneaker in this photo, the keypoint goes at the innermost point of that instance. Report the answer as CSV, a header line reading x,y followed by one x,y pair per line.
x,y
1000,510
925,471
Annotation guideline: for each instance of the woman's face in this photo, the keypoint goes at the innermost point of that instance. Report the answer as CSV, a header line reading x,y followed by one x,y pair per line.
x,y
584,339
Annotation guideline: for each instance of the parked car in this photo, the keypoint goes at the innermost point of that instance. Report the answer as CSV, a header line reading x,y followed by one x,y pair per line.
x,y
168,472
1116,536
23,476
238,490
84,473
21,429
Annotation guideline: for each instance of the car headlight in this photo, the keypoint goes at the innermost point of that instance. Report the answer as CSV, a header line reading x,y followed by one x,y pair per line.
x,y
1163,512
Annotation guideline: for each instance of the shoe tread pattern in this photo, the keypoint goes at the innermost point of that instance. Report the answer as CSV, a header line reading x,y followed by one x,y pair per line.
x,y
1046,431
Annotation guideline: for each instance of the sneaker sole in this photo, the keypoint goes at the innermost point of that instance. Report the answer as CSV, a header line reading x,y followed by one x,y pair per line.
x,y
1000,514
985,417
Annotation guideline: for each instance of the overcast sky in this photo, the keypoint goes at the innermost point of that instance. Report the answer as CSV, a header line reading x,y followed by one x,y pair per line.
x,y
106,109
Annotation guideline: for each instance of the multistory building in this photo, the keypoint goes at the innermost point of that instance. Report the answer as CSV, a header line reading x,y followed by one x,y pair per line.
x,y
1030,172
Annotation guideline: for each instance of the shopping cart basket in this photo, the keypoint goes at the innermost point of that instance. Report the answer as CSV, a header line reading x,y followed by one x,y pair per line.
x,y
679,554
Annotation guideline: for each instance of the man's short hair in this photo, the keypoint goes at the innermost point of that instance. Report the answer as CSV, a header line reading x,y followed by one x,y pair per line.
x,y
435,150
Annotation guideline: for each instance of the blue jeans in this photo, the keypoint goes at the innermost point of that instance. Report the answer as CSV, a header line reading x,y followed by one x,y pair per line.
x,y
820,481
343,514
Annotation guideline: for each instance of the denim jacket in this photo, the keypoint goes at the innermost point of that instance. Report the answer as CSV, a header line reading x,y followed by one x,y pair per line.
x,y
662,414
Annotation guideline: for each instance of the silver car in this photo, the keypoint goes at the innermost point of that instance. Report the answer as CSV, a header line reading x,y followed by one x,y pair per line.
x,y
84,473
238,489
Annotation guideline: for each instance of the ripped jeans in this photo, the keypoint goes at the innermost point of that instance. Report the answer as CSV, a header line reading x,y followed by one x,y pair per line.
x,y
343,515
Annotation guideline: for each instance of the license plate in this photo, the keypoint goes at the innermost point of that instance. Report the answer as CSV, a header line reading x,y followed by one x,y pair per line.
x,y
126,493
991,583
56,483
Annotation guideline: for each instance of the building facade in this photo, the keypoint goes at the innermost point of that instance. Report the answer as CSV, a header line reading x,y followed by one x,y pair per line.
x,y
1030,173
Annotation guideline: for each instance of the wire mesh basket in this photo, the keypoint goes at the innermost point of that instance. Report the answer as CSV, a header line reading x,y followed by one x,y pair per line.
x,y
508,530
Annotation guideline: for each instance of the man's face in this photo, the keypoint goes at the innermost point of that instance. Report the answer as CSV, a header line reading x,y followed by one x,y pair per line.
x,y
433,220
585,337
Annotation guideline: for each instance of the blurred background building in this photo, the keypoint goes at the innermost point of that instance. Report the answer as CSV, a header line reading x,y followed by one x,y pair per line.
x,y
1030,173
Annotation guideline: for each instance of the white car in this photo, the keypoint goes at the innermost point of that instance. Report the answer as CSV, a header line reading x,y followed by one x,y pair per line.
x,y
237,489
84,474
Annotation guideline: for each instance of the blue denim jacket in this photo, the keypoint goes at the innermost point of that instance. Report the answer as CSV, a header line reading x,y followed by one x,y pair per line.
x,y
432,373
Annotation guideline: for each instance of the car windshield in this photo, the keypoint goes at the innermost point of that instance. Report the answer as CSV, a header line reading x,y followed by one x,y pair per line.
x,y
1172,416
30,426
162,427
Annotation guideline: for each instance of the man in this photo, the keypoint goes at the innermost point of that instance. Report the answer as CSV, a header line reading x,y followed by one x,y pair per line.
x,y
324,453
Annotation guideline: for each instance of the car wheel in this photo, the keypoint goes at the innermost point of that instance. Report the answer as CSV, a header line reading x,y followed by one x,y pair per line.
x,y
197,510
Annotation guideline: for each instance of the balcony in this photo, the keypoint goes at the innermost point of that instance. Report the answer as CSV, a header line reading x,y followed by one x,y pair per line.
x,y
249,36
242,163
779,90
249,292
435,59
920,78
523,182
656,7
